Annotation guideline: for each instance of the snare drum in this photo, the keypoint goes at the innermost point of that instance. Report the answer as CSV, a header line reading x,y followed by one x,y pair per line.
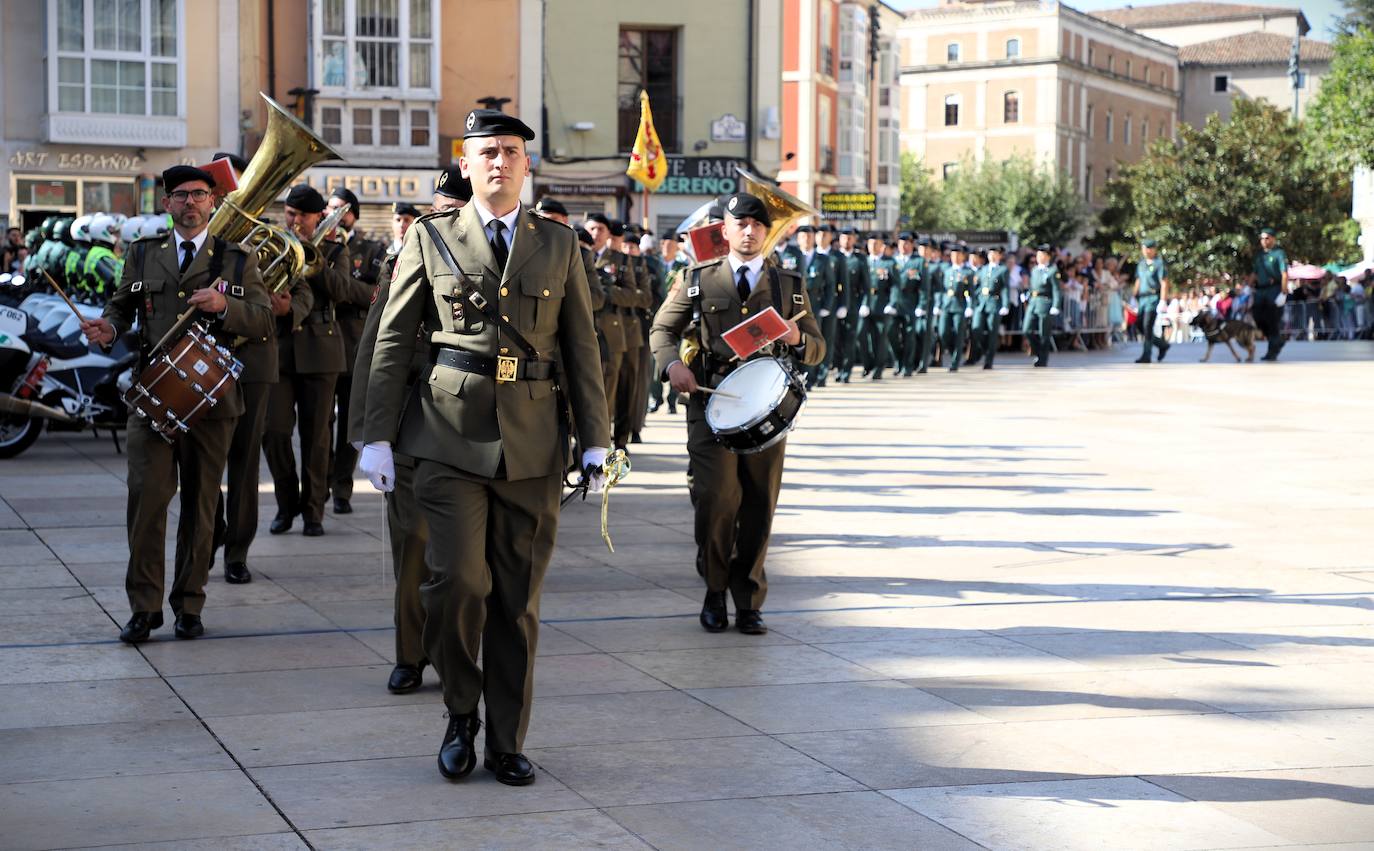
x,y
764,400
183,381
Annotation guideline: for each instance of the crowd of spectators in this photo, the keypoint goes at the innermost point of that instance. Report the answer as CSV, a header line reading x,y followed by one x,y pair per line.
x,y
13,251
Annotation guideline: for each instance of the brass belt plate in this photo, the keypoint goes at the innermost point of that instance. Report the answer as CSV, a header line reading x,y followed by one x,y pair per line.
x,y
505,369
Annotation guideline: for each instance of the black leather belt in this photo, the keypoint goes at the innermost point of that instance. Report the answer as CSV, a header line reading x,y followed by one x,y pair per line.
x,y
501,368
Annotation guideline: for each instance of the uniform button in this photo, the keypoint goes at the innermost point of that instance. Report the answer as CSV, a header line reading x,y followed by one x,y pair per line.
x,y
505,350
181,295
505,318
744,310
546,293
505,292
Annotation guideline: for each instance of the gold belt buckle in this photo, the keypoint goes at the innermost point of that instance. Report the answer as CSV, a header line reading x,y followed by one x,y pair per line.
x,y
505,369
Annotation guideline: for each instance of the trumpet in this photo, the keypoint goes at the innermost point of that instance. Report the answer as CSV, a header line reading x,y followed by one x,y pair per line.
x,y
314,258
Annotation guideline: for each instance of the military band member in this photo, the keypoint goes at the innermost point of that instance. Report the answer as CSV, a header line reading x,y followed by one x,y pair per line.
x,y
163,277
1151,288
925,304
636,338
1271,291
851,283
311,358
977,261
954,313
622,294
651,277
674,262
826,307
1043,298
484,428
994,302
734,495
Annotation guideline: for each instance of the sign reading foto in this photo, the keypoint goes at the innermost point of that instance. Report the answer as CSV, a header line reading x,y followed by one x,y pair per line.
x,y
849,205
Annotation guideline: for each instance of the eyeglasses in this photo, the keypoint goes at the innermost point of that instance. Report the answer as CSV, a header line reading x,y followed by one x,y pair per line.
x,y
194,194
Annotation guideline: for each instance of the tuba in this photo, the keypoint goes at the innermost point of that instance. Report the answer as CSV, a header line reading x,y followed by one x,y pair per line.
x,y
287,150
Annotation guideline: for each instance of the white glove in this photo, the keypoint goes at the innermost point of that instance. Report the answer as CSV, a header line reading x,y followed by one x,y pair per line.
x,y
968,313
938,311
864,311
1054,311
595,458
890,310
378,465
1280,300
823,312
1003,312
920,312
842,313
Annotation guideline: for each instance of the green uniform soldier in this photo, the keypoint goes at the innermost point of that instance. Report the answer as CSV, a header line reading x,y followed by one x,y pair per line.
x,y
828,249
924,313
651,277
953,304
1271,291
1151,288
994,302
851,282
311,358
162,278
818,273
876,308
977,261
636,339
734,495
911,277
501,296
1043,300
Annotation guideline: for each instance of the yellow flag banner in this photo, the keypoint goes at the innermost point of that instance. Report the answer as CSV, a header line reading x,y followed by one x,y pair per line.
x,y
647,163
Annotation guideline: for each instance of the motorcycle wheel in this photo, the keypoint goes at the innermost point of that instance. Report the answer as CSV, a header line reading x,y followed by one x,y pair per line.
x,y
18,434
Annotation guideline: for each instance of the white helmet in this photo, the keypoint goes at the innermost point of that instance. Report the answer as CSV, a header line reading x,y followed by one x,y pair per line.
x,y
154,226
129,230
105,227
81,228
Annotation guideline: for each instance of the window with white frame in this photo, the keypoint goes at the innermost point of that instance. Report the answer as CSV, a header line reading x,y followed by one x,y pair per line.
x,y
1110,122
952,52
952,104
1144,132
1011,107
115,57
1013,48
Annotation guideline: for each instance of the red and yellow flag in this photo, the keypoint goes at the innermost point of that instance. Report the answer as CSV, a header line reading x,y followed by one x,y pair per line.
x,y
647,163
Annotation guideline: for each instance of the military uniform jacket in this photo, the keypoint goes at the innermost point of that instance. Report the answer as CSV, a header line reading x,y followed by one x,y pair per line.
x,y
819,274
1044,289
464,419
883,277
910,284
365,256
722,310
154,292
851,284
993,290
259,354
367,344
958,284
1149,276
595,290
315,345
634,319
622,296
1270,268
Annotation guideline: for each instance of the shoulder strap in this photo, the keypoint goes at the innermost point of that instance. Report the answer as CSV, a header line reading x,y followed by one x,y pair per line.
x,y
216,258
473,297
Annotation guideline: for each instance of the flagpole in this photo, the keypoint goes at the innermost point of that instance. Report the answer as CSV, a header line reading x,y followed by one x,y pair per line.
x,y
644,214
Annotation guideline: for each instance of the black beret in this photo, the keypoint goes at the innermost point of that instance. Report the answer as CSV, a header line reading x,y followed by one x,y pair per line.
x,y
907,235
452,184
401,208
925,240
946,246
878,235
742,205
824,227
599,218
958,246
348,198
239,163
999,249
617,227
848,232
494,122
806,229
582,235
179,174
670,235
305,198
551,205
716,212
979,253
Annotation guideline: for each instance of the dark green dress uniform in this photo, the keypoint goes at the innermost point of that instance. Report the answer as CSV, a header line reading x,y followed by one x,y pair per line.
x,y
734,495
311,356
672,273
489,456
830,324
993,295
622,293
910,278
1044,295
925,322
366,256
1149,277
957,287
873,315
1270,269
154,291
628,387
850,288
818,272
405,520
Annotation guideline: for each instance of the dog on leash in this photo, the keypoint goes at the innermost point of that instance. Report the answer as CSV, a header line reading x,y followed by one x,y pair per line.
x,y
1218,330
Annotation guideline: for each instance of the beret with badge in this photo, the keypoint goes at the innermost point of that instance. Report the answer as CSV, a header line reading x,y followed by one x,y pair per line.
x,y
179,174
742,205
305,198
494,122
452,184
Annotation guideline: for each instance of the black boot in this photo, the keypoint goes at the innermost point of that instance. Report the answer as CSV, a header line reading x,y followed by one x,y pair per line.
x,y
457,755
713,615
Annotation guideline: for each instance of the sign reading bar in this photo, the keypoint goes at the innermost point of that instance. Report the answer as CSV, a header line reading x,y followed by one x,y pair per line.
x,y
849,205
700,176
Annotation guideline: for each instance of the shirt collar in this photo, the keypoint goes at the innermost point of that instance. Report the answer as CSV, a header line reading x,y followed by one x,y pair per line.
x,y
508,219
198,240
754,266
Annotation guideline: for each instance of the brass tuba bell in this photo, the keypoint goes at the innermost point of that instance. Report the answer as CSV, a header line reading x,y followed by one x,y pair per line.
x,y
784,208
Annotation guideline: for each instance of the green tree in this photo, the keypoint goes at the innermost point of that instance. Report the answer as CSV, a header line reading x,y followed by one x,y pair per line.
x,y
1340,114
1205,195
1358,13
920,201
1017,194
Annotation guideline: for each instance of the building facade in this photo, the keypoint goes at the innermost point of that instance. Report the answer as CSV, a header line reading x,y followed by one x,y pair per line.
x,y
94,107
711,69
997,79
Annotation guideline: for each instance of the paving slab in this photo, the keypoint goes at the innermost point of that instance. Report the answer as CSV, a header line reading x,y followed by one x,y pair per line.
x,y
574,829
109,750
36,705
817,707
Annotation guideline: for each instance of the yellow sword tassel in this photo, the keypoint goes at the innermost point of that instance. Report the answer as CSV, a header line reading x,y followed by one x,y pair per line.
x,y
616,467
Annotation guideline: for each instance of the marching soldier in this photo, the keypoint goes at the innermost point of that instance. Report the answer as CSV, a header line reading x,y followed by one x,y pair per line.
x,y
826,307
994,302
161,279
911,274
925,304
851,281
622,294
819,275
1271,291
876,307
649,272
366,257
501,296
977,261
674,262
1151,287
953,304
734,495
1043,297
631,321
311,359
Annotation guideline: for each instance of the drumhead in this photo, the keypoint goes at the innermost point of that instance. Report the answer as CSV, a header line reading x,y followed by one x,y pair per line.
x,y
758,385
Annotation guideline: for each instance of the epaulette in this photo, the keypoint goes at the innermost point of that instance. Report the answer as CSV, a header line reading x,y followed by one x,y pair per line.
x,y
705,263
439,213
535,214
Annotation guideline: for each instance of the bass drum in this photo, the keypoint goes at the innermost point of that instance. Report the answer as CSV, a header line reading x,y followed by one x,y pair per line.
x,y
755,406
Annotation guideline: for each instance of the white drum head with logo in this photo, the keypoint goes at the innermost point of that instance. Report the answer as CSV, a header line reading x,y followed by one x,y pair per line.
x,y
756,388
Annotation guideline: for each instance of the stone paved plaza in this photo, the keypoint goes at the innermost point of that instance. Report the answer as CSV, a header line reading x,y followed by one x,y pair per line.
x,y
1096,606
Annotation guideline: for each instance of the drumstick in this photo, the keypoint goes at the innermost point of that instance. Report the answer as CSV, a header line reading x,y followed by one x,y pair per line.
x,y
714,392
793,318
61,293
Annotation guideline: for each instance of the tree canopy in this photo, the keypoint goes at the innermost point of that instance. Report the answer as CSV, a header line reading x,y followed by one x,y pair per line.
x,y
1340,115
1017,194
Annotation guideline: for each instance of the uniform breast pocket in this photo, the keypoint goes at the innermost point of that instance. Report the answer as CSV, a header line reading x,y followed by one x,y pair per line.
x,y
155,300
540,302
456,315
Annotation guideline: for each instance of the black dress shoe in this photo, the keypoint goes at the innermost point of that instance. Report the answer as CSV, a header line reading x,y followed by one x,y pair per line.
x,y
313,529
281,523
512,769
236,573
140,626
1143,359
342,505
713,615
457,756
189,626
750,622
635,438
405,678
1163,350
